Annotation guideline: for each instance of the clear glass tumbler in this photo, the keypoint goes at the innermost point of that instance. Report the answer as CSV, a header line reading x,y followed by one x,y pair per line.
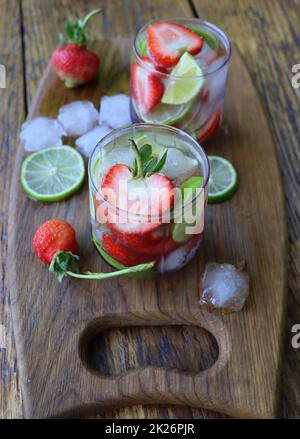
x,y
168,232
188,95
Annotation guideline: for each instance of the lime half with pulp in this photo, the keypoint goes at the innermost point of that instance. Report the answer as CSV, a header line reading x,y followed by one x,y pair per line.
x,y
223,180
185,81
179,229
165,114
52,174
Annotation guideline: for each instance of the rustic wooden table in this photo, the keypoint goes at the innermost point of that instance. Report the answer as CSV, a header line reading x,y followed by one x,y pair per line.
x,y
267,34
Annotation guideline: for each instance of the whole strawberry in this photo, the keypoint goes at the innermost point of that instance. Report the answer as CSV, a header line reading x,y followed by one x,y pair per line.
x,y
55,244
72,61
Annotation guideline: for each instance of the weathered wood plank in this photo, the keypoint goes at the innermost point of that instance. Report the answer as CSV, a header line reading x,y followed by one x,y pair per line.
x,y
270,45
11,115
41,38
267,34
240,391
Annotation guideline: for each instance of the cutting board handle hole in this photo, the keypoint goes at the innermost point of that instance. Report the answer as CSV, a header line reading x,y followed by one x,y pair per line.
x,y
117,350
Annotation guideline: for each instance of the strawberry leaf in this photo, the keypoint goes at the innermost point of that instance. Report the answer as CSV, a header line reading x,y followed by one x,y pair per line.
x,y
62,262
75,29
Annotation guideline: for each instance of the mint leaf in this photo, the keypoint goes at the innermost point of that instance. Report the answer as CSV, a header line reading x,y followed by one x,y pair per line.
x,y
158,167
145,152
149,166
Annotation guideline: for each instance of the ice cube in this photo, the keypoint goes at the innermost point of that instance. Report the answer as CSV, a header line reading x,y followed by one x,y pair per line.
x,y
78,117
41,132
115,110
224,288
88,141
174,260
204,55
216,82
179,166
178,257
117,155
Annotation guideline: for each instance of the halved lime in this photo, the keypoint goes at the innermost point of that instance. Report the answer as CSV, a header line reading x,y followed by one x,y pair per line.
x,y
223,180
165,114
52,174
179,229
185,82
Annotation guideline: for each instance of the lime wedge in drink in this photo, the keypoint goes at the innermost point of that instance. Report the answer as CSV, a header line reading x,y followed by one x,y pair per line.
x,y
142,49
179,229
185,81
165,114
52,174
210,39
223,180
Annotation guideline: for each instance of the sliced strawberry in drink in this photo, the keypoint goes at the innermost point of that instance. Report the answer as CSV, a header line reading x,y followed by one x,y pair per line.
x,y
147,88
137,241
168,41
123,254
210,128
150,64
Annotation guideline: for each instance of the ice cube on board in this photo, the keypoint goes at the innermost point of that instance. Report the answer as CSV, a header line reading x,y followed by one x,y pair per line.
x,y
224,288
88,141
41,132
115,111
78,117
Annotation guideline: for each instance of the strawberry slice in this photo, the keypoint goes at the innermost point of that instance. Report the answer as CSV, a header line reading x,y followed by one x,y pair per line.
x,y
122,254
140,197
136,200
150,64
210,128
168,41
147,88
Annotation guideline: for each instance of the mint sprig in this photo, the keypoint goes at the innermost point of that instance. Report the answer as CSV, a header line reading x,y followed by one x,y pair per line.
x,y
146,163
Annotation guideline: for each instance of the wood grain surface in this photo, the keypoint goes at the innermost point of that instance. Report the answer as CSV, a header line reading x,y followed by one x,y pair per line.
x,y
270,45
241,379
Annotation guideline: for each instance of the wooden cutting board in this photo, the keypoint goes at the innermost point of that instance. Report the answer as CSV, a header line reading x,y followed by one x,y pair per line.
x,y
87,347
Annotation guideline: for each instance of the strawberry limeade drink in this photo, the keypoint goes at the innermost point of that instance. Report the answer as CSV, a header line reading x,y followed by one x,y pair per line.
x,y
178,75
147,196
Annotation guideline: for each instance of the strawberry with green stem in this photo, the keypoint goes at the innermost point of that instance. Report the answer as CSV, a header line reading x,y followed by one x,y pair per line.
x,y
73,62
55,244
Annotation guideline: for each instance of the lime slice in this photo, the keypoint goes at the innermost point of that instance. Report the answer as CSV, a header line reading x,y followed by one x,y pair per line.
x,y
179,229
52,174
223,179
185,82
165,114
143,47
210,39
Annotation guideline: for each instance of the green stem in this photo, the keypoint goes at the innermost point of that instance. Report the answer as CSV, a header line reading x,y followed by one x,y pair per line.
x,y
136,268
90,15
140,170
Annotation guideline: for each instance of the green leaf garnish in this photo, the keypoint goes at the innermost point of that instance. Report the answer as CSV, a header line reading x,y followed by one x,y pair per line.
x,y
160,164
75,29
146,163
